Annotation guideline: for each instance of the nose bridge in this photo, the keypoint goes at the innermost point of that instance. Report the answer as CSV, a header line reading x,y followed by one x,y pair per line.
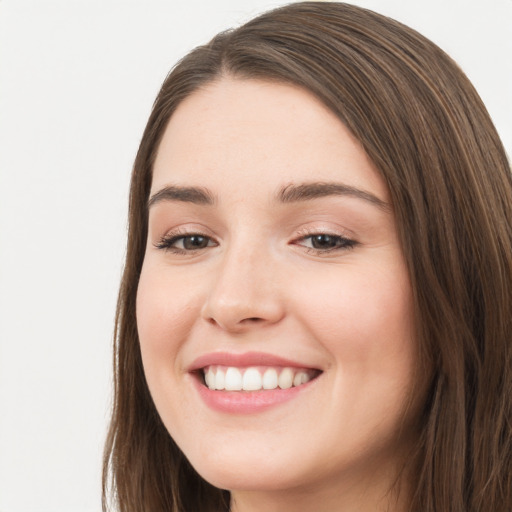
x,y
243,291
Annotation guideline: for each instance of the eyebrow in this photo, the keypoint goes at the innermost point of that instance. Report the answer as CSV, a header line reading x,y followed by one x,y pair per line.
x,y
195,195
289,194
308,191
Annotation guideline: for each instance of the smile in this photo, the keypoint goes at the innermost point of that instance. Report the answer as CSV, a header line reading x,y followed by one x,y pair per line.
x,y
255,378
251,382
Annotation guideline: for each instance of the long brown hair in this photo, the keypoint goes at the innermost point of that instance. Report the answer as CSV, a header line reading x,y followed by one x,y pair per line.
x,y
423,125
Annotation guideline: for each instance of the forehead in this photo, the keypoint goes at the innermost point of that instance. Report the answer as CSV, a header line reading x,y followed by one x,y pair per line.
x,y
250,132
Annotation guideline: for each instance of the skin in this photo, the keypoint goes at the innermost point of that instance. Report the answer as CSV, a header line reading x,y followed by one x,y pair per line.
x,y
259,285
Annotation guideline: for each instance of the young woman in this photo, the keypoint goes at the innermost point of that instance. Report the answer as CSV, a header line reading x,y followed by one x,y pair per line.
x,y
316,309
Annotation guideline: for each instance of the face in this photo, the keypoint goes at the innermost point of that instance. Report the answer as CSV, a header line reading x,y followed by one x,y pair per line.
x,y
273,272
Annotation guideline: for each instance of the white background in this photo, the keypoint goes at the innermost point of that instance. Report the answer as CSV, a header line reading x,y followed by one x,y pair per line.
x,y
77,80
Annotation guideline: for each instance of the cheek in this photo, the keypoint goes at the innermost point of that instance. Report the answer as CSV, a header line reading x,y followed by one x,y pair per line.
x,y
364,320
165,309
362,316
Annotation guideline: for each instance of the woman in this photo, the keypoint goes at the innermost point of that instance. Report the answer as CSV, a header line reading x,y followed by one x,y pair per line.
x,y
316,307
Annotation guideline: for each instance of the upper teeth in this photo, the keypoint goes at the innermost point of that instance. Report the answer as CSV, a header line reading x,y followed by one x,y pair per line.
x,y
230,378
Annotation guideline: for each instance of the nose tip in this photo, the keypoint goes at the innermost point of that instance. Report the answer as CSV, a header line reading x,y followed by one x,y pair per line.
x,y
239,305
237,316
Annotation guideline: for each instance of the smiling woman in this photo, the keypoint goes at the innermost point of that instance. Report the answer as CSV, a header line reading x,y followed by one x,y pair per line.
x,y
316,307
300,286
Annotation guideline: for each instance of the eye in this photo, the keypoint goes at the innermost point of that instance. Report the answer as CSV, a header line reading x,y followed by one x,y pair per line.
x,y
321,243
183,243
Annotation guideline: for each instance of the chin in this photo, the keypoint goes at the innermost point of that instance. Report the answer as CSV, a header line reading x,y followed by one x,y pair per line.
x,y
249,479
239,471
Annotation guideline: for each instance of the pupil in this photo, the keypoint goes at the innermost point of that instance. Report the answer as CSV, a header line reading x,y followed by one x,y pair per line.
x,y
324,242
195,242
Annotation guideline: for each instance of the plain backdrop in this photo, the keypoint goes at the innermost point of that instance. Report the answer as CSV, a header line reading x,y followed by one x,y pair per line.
x,y
77,81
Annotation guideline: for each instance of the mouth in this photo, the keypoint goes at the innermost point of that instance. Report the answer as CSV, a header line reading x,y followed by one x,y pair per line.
x,y
255,378
250,382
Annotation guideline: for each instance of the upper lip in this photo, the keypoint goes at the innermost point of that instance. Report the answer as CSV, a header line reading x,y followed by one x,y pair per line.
x,y
243,360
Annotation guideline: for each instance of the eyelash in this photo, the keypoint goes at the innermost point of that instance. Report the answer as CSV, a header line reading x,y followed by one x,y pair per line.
x,y
342,243
167,242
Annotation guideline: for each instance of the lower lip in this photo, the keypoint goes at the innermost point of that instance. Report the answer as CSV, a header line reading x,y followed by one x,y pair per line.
x,y
248,402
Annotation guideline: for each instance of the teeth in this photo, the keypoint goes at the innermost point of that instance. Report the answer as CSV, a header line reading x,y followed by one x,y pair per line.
x,y
300,378
209,378
270,379
219,380
254,379
286,378
233,379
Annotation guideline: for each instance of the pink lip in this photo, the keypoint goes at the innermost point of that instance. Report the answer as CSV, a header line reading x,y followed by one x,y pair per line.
x,y
245,402
243,360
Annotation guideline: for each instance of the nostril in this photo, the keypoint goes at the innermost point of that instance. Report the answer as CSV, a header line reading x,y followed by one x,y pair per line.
x,y
237,325
253,319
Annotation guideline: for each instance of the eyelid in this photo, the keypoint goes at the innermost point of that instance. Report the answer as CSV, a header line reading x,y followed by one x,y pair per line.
x,y
349,241
322,230
166,241
171,237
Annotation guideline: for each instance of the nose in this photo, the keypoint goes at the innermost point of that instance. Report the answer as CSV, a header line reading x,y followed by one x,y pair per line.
x,y
245,292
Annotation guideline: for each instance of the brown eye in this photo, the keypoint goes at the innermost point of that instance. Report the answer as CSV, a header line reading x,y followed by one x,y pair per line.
x,y
181,244
195,242
324,241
